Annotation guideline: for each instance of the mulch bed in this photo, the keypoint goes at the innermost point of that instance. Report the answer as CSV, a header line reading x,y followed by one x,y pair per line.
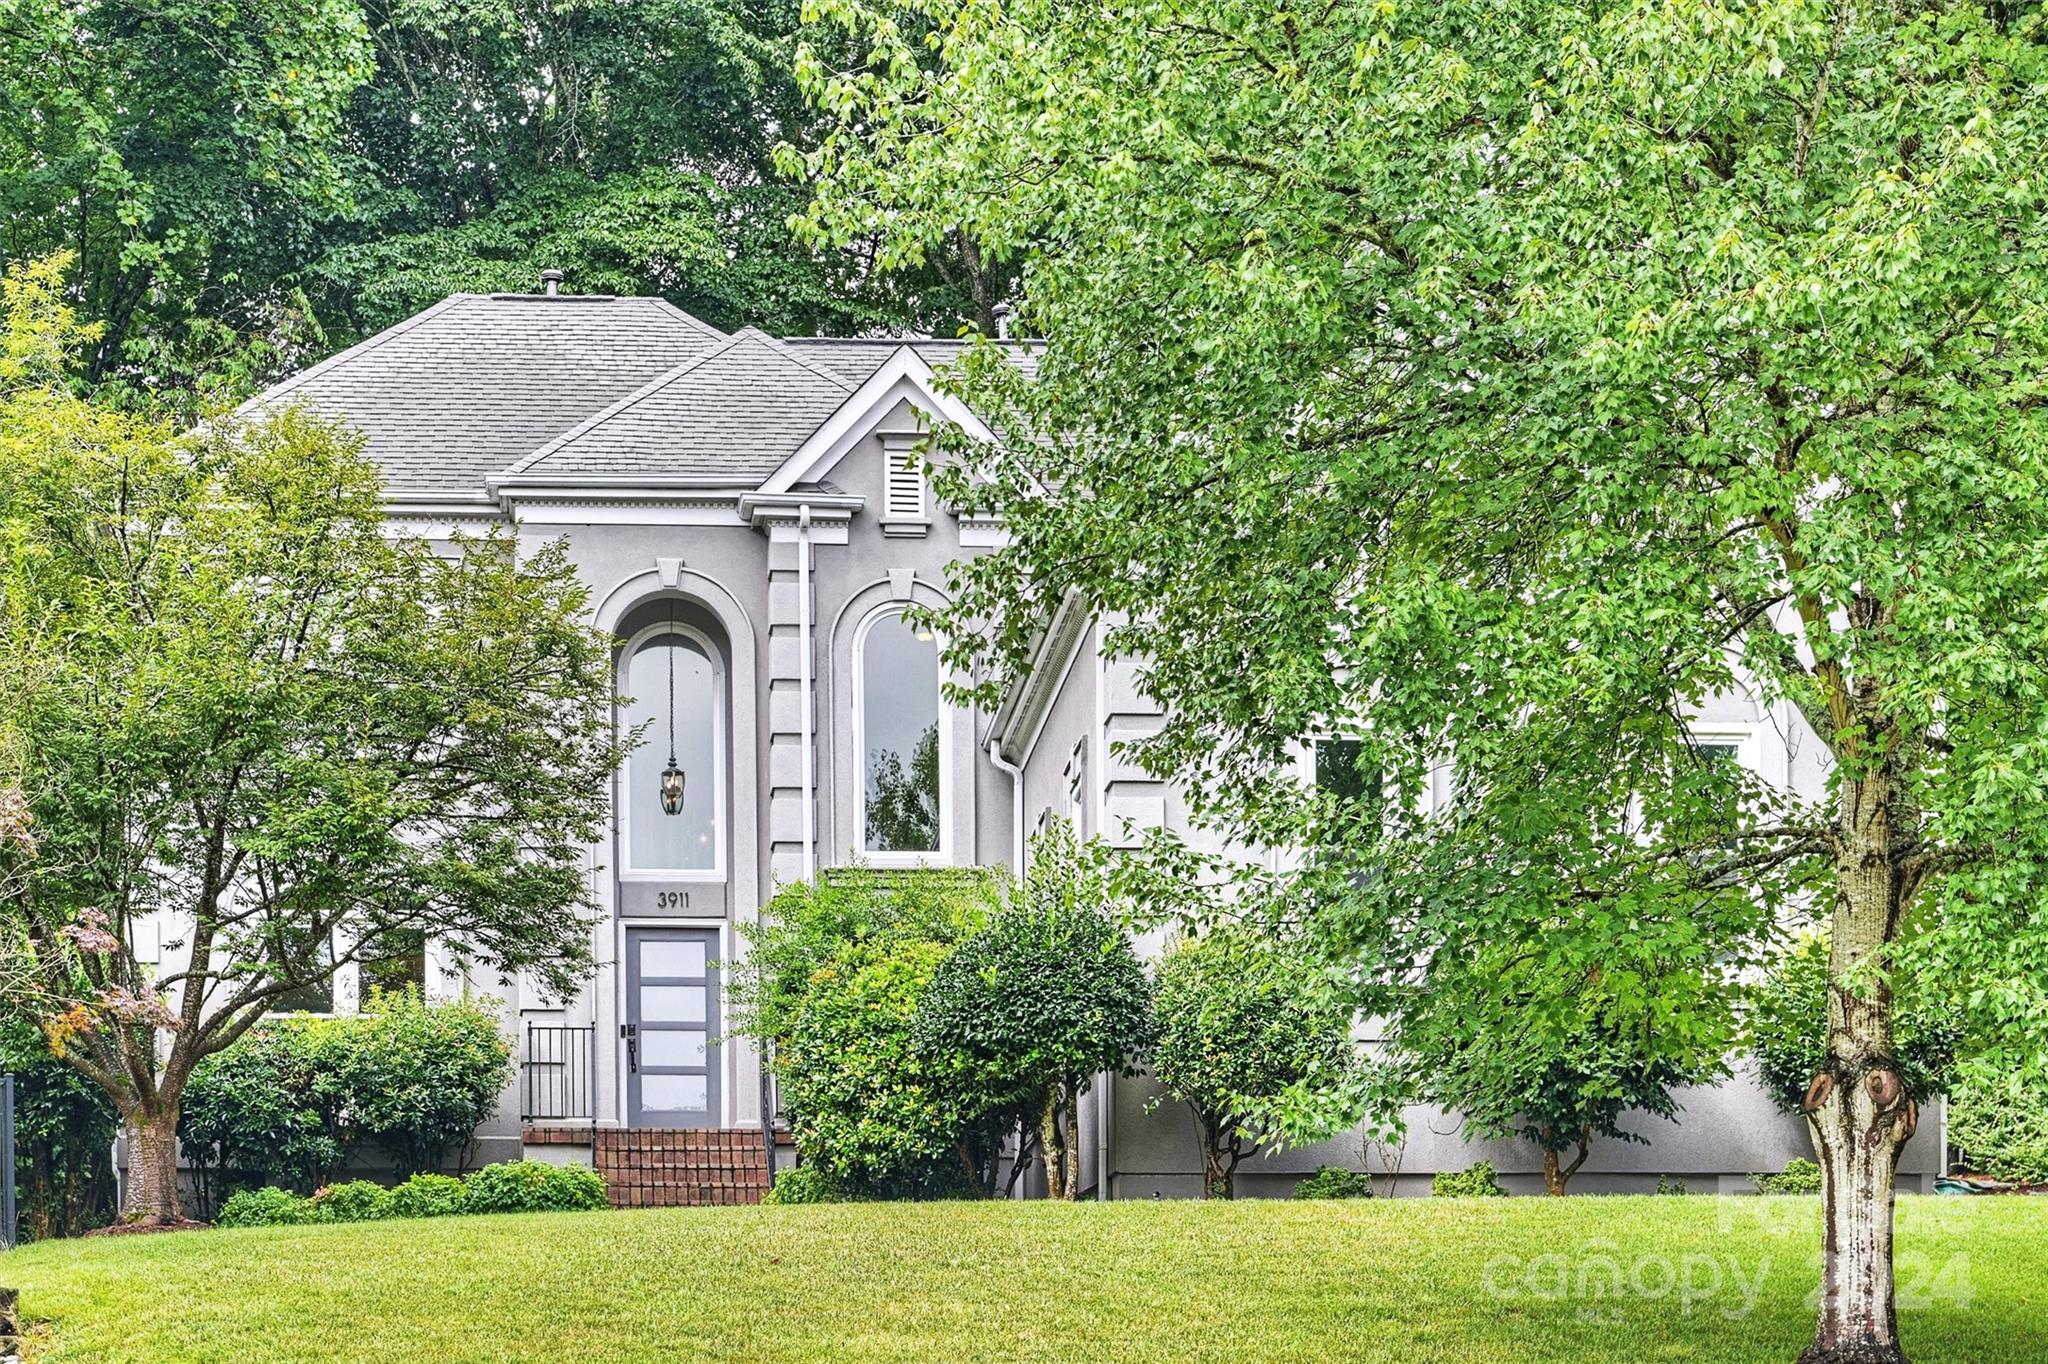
x,y
146,1228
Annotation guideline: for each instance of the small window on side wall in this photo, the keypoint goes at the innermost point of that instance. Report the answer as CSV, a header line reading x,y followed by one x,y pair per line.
x,y
1340,770
899,722
315,996
399,965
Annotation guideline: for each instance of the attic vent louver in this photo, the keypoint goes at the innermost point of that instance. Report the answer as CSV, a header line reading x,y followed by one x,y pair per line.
x,y
906,486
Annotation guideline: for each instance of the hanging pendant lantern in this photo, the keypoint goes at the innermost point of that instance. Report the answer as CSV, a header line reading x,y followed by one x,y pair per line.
x,y
672,775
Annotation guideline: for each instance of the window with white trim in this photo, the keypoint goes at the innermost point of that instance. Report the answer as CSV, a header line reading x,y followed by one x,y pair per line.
x,y
901,735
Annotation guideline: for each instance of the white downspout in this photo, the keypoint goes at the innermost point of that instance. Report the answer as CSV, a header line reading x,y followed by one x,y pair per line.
x,y
805,700
1016,775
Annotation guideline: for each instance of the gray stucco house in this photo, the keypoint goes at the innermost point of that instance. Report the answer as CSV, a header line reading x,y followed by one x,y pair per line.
x,y
751,520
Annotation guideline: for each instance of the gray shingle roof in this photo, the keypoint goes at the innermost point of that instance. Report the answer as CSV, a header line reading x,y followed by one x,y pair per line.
x,y
856,358
477,382
734,413
480,387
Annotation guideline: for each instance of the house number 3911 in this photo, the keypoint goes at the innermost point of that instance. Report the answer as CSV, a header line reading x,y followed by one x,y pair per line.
x,y
672,899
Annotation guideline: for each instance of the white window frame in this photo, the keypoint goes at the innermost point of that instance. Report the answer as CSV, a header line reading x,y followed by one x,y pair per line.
x,y
1743,738
942,856
721,760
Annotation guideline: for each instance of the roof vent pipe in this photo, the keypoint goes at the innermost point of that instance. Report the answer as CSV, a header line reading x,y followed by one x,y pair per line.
x,y
1001,313
551,283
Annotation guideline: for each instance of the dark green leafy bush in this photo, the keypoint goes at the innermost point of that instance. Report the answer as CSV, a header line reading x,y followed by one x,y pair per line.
x,y
2000,1126
1798,1177
804,1184
261,1112
1670,1186
63,1129
533,1186
415,1079
270,1208
1334,1181
833,978
289,1102
1474,1181
359,1200
1788,1028
428,1196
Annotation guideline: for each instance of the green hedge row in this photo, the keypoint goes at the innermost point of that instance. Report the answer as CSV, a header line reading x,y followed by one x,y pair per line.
x,y
512,1186
290,1102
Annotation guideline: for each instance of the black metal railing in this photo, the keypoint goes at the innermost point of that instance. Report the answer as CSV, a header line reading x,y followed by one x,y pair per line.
x,y
555,1073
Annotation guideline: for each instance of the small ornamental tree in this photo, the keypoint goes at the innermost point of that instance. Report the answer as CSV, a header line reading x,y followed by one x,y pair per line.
x,y
250,710
1504,1053
1239,1021
1034,1006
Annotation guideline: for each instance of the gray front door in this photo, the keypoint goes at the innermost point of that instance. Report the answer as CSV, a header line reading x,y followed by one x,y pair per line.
x,y
671,1014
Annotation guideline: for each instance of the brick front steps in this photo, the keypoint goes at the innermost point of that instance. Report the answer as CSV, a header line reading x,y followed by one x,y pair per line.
x,y
665,1168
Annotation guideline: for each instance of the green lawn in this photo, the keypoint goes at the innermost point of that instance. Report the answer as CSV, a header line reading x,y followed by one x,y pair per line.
x,y
1524,1279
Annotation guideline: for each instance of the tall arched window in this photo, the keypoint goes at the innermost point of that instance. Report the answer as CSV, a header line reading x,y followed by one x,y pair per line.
x,y
678,693
900,736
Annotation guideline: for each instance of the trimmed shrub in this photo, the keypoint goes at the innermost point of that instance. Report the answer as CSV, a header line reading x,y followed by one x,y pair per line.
x,y
415,1079
804,1184
359,1200
1788,1028
429,1196
533,1186
1239,1020
833,977
1798,1177
270,1208
2000,1126
287,1103
1474,1181
257,1114
1334,1181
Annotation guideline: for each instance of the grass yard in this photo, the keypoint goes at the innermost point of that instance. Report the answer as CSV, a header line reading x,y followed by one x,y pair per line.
x,y
1523,1279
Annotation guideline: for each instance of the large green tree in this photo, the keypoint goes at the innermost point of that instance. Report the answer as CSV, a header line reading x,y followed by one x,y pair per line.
x,y
244,188
1499,383
180,151
244,711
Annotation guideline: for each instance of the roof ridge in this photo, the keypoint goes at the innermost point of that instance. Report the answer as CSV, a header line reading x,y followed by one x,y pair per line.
x,y
699,323
782,349
625,404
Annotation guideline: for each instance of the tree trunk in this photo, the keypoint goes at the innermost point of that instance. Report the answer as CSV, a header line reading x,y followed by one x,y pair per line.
x,y
1857,1107
152,1191
1553,1182
1052,1147
1073,1105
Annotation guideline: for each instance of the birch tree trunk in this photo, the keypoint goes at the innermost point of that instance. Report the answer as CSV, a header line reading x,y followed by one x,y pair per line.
x,y
1857,1106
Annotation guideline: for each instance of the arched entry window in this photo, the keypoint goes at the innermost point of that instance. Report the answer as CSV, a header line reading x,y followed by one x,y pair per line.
x,y
677,685
900,736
